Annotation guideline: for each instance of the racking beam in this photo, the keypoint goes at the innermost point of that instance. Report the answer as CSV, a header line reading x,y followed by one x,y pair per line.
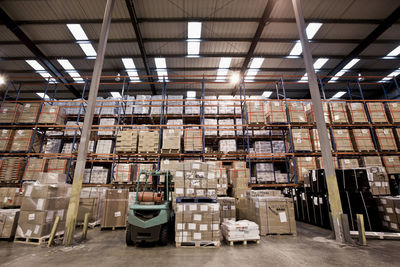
x,y
87,125
331,181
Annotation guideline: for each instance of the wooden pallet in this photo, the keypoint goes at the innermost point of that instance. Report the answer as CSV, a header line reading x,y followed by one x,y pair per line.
x,y
198,244
112,228
281,234
122,183
170,151
38,240
244,242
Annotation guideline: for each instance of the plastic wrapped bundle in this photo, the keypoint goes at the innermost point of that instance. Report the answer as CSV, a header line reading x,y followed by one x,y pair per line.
x,y
142,104
175,104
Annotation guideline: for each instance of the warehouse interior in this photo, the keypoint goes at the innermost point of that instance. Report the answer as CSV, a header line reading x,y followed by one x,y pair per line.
x,y
197,131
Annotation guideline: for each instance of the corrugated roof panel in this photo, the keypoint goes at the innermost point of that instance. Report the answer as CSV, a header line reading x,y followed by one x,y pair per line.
x,y
344,31
280,30
117,31
331,49
378,49
6,34
15,51
124,49
164,30
273,48
228,29
52,50
165,48
224,47
391,33
47,32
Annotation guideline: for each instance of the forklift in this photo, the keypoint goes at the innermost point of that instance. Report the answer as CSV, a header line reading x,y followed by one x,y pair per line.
x,y
150,218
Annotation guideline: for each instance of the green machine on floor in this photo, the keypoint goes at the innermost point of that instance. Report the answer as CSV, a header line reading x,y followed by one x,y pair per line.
x,y
150,218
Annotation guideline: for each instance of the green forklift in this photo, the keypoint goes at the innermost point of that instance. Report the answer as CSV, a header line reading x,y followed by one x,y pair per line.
x,y
150,218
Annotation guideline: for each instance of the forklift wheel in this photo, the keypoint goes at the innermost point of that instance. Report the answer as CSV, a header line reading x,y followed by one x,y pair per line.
x,y
164,235
129,241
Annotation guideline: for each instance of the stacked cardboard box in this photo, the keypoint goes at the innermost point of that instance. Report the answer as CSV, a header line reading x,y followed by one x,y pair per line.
x,y
127,141
12,169
115,208
137,168
342,140
227,145
226,104
310,112
9,112
210,129
42,203
34,168
175,104
264,172
378,181
8,223
392,164
389,211
239,177
6,137
92,202
142,104
106,131
23,139
222,178
72,131
303,166
168,165
10,197
278,146
394,111
176,124
243,230
226,127
377,112
52,146
274,215
123,173
195,179
315,140
197,222
301,140
156,104
193,140
281,178
148,141
338,113
276,112
262,147
263,193
357,113
362,140
256,110
98,175
29,113
211,107
297,112
52,115
347,164
371,161
104,147
58,166
171,141
320,162
227,208
386,139
192,106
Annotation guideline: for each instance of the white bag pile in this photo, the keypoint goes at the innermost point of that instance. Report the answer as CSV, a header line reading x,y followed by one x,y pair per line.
x,y
240,230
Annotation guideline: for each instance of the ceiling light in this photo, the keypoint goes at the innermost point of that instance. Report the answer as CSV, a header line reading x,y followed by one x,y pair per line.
x,y
395,52
338,94
345,69
256,63
77,31
128,63
296,50
312,29
35,65
116,95
266,94
319,63
391,75
43,96
2,80
191,94
131,69
88,49
250,75
235,78
70,69
160,63
223,68
193,48
194,30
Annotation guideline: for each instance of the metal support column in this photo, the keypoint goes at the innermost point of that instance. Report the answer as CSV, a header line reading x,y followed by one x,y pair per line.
x,y
333,190
87,125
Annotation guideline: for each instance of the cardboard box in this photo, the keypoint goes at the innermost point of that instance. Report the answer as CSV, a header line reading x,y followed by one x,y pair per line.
x,y
394,111
127,141
276,112
29,113
148,141
23,139
12,169
371,161
342,140
297,112
362,140
348,164
6,137
58,166
8,222
52,115
378,181
303,166
123,173
386,139
377,112
356,113
227,145
193,140
301,140
392,164
315,140
338,112
310,112
115,208
171,141
34,167
256,110
9,112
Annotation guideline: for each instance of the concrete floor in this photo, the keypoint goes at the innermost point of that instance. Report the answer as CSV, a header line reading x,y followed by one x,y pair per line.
x,y
107,248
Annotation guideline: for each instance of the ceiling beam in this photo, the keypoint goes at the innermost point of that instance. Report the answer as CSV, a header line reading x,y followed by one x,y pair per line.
x,y
132,13
228,39
204,55
15,29
382,27
199,19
